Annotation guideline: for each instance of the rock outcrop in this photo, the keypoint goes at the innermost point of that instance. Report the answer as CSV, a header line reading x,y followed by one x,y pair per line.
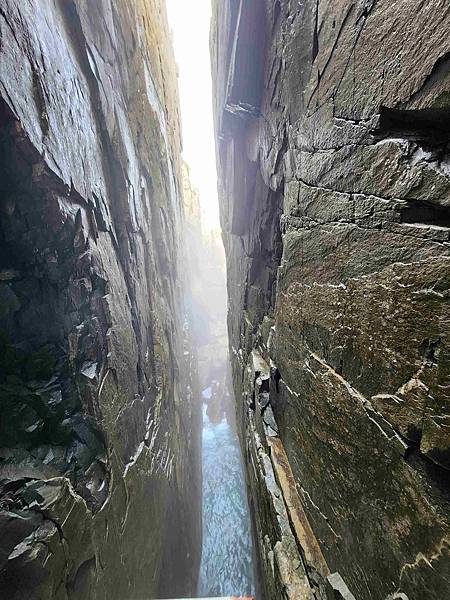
x,y
99,420
332,124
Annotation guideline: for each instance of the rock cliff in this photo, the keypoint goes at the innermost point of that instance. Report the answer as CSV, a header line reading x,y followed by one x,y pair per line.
x,y
99,424
332,121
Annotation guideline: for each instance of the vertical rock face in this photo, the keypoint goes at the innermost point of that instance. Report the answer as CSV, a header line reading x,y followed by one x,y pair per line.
x,y
332,122
99,431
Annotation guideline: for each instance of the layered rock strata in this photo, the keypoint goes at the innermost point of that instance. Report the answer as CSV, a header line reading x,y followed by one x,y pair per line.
x,y
332,124
99,424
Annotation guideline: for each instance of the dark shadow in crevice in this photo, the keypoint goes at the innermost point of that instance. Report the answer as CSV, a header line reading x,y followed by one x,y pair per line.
x,y
430,125
426,214
315,42
438,476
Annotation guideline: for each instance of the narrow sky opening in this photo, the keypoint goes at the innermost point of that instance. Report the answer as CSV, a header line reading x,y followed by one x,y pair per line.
x,y
190,22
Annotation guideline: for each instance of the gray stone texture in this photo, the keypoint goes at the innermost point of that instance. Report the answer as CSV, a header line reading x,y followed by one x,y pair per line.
x,y
332,124
99,420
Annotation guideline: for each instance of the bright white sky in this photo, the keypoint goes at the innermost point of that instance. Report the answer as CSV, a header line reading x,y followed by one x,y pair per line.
x,y
189,21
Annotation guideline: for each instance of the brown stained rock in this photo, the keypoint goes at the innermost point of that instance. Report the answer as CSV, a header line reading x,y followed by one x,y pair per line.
x,y
305,535
353,163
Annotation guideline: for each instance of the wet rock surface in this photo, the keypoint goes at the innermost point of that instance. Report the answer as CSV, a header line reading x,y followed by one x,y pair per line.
x,y
100,430
332,129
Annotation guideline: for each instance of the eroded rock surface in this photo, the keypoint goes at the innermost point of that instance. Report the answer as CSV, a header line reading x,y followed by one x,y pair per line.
x,y
332,123
99,428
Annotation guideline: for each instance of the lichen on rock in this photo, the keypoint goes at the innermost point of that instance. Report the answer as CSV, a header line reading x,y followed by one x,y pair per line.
x,y
335,193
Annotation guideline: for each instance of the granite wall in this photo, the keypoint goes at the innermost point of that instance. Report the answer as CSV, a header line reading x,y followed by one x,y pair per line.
x,y
99,418
332,129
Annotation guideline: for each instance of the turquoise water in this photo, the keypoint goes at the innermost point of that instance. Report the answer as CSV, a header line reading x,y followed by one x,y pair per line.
x,y
227,556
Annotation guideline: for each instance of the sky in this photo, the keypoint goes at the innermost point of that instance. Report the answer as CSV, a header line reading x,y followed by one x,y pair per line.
x,y
189,22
